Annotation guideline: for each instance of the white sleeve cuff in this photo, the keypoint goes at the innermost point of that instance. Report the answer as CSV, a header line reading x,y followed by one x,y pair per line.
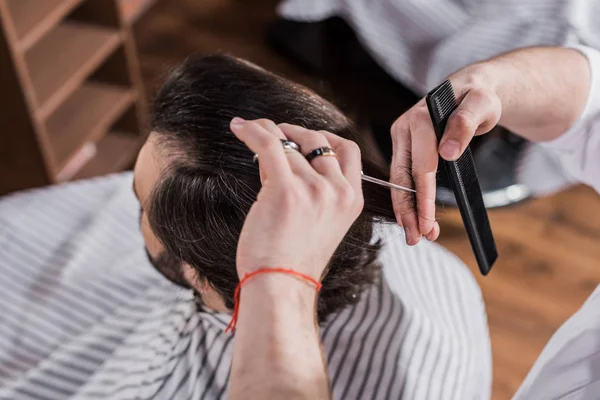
x,y
579,147
569,138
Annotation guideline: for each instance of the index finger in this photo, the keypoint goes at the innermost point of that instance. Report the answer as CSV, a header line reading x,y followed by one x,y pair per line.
x,y
273,162
424,167
400,174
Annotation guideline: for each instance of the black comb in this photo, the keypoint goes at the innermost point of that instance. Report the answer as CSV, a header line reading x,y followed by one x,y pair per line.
x,y
463,178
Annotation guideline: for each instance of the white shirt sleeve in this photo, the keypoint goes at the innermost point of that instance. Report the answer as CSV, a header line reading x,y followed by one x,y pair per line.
x,y
569,365
579,147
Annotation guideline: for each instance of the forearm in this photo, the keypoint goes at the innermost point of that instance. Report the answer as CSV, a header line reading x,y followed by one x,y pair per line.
x,y
543,90
277,353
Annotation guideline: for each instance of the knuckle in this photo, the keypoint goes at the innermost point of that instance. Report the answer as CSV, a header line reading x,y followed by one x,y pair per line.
x,y
313,135
427,199
264,122
345,195
462,122
249,126
349,149
486,97
284,126
268,124
406,211
270,144
400,127
421,176
425,216
419,114
324,132
413,117
475,75
397,125
264,141
479,94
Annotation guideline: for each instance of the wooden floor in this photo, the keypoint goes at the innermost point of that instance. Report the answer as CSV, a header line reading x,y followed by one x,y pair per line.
x,y
549,248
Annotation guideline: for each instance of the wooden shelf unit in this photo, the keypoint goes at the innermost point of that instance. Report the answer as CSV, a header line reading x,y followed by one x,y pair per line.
x,y
112,154
64,58
33,18
85,116
70,87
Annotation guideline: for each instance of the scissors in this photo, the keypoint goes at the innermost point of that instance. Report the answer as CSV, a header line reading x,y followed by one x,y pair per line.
x,y
289,145
380,182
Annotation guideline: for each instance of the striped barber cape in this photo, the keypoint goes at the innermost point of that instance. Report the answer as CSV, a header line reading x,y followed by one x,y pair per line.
x,y
83,315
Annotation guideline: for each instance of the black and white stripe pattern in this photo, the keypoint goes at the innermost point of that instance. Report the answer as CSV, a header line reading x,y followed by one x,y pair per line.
x,y
85,317
420,43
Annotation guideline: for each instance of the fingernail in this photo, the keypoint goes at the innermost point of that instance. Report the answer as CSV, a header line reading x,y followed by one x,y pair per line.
x,y
432,235
410,235
450,149
237,121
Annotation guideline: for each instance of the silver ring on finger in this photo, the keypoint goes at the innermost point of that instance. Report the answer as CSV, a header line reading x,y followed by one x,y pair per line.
x,y
288,145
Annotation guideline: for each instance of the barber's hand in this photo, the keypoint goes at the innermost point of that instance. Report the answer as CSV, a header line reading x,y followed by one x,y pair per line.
x,y
415,148
304,209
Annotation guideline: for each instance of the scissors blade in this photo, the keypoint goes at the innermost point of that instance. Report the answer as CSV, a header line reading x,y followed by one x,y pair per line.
x,y
384,183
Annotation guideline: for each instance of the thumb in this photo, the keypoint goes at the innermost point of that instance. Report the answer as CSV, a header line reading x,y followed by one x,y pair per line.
x,y
478,113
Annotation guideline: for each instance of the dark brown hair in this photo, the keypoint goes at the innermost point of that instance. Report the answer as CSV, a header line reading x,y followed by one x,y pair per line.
x,y
198,207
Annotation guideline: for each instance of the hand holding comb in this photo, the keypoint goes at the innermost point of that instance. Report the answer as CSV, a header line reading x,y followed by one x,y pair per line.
x,y
465,184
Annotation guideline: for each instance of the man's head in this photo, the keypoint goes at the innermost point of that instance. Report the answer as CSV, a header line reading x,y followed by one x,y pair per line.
x,y
196,181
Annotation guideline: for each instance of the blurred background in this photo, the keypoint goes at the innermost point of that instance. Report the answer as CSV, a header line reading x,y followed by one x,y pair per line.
x,y
77,75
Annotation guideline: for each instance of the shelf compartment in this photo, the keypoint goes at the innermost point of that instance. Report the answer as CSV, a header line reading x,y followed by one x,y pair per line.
x,y
113,153
34,18
64,58
85,117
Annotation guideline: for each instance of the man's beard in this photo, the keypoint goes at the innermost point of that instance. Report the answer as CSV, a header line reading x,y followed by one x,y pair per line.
x,y
170,267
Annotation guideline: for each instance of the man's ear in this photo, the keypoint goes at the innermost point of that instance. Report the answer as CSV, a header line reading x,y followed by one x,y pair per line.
x,y
191,277
210,298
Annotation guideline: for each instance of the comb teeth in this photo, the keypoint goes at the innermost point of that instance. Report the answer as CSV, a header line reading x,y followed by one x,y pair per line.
x,y
445,101
466,165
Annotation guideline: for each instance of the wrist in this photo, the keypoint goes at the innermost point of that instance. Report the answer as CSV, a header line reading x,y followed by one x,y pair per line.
x,y
277,304
273,300
530,84
500,78
277,336
488,76
280,291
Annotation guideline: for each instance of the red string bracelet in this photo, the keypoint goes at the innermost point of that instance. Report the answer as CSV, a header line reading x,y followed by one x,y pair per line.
x,y
236,295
